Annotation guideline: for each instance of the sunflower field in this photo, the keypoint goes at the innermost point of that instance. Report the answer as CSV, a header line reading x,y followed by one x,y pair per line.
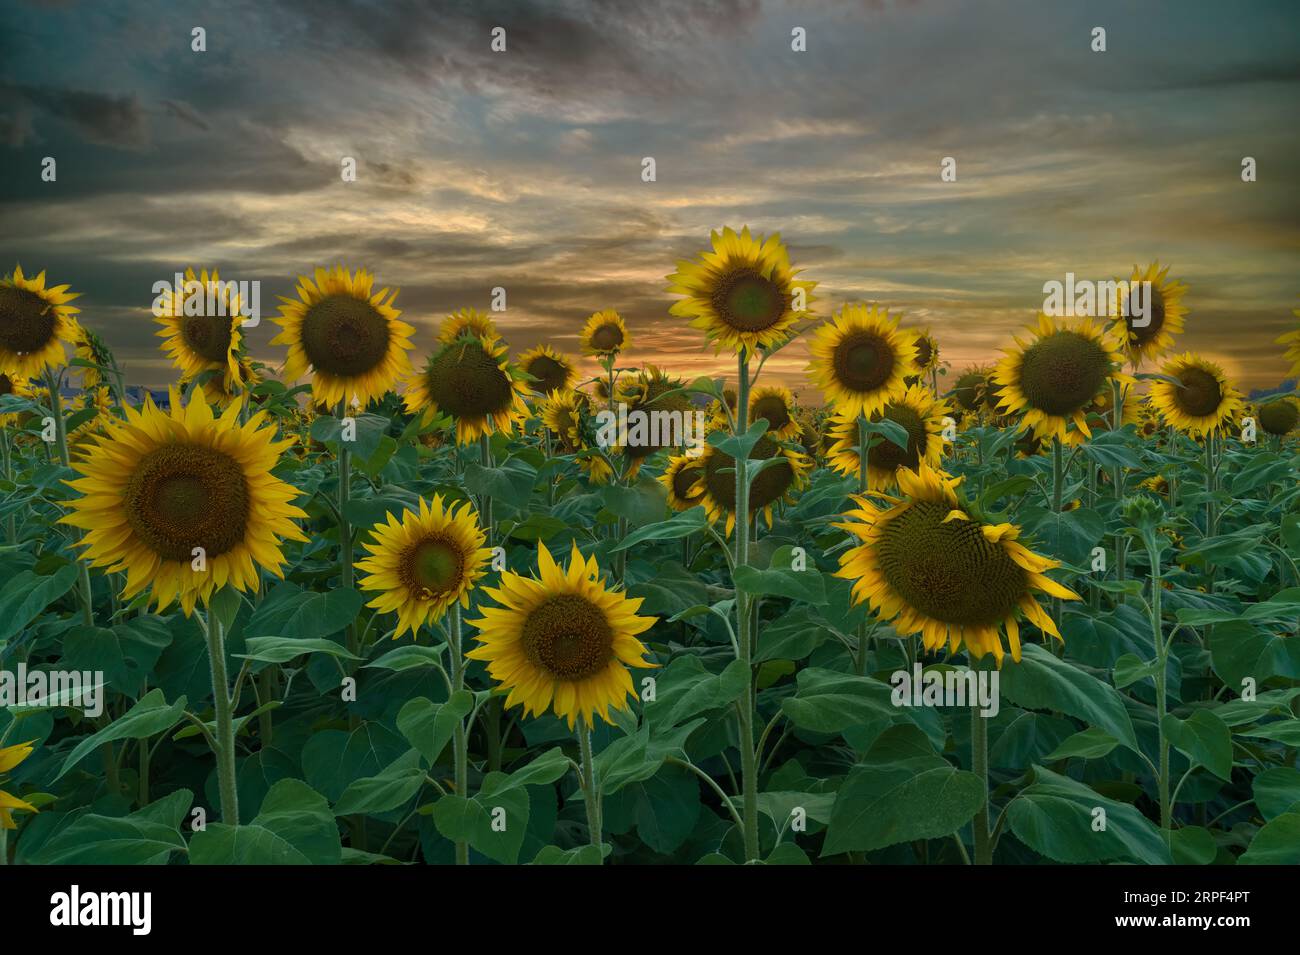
x,y
392,599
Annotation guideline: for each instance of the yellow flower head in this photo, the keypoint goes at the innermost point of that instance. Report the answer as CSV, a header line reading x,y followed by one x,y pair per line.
x,y
860,359
471,380
35,324
1202,402
604,334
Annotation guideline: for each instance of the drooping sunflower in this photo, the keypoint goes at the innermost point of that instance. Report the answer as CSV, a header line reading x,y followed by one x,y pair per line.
x,y
1148,327
1054,379
682,480
160,485
466,321
742,292
1292,340
351,341
971,389
1202,403
423,562
658,414
11,756
222,390
717,485
35,324
201,326
776,404
561,413
860,358
1280,416
917,410
472,380
96,400
928,567
551,370
604,334
927,351
562,640
90,347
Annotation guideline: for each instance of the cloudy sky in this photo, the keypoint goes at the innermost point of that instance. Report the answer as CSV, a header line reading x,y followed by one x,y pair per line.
x,y
522,169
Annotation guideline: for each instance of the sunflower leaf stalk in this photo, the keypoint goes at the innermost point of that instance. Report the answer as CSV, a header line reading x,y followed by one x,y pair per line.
x,y
979,746
744,640
590,784
222,716
459,743
54,381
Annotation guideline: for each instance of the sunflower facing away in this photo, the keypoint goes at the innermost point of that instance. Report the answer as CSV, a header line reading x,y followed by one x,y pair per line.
x,y
1162,317
161,484
1203,401
776,404
552,370
971,388
561,413
424,562
11,756
35,324
1280,416
562,640
1054,379
470,379
717,486
604,334
860,358
742,293
351,340
927,351
682,480
928,567
209,338
919,412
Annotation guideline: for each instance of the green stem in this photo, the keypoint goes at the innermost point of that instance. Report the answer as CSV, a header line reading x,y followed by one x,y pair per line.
x,y
485,504
1162,655
225,736
979,752
590,785
345,529
459,747
744,641
52,380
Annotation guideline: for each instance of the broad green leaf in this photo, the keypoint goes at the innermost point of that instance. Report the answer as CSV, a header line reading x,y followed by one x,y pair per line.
x,y
149,717
1040,681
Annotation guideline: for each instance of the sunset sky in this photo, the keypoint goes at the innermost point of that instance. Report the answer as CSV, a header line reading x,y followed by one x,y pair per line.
x,y
523,169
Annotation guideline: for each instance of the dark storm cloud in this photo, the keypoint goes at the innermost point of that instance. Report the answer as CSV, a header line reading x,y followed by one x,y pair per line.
x,y
100,118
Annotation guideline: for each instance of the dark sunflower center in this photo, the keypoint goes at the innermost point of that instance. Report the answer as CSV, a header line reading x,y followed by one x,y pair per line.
x,y
344,336
6,386
1200,393
207,335
433,566
968,390
863,361
1063,372
568,637
26,320
1135,310
550,374
767,488
1279,417
949,571
607,337
924,352
748,301
683,480
773,408
185,496
890,456
466,382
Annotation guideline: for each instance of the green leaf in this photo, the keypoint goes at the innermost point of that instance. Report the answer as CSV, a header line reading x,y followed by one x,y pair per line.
x,y
583,855
394,787
1203,738
880,805
149,717
828,701
513,481
429,726
1286,732
1091,743
1277,843
294,827
1040,681
408,657
146,837
1240,650
284,649
290,613
1277,790
682,524
740,445
1070,535
805,585
685,688
1193,845
26,594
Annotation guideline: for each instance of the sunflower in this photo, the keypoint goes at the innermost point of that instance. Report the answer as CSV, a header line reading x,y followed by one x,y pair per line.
x,y
917,410
1202,402
742,293
604,334
561,413
654,402
682,480
716,487
860,358
776,404
98,401
1055,378
351,341
928,567
562,640
1279,416
209,338
466,321
222,390
90,348
551,370
594,465
472,380
1102,410
160,485
971,389
35,324
1292,340
423,563
11,756
1162,316
19,387
927,351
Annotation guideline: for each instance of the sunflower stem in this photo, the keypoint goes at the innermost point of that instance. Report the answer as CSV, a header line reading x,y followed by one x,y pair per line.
x,y
225,735
485,505
345,529
744,642
11,525
1161,675
459,746
979,758
590,785
53,380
